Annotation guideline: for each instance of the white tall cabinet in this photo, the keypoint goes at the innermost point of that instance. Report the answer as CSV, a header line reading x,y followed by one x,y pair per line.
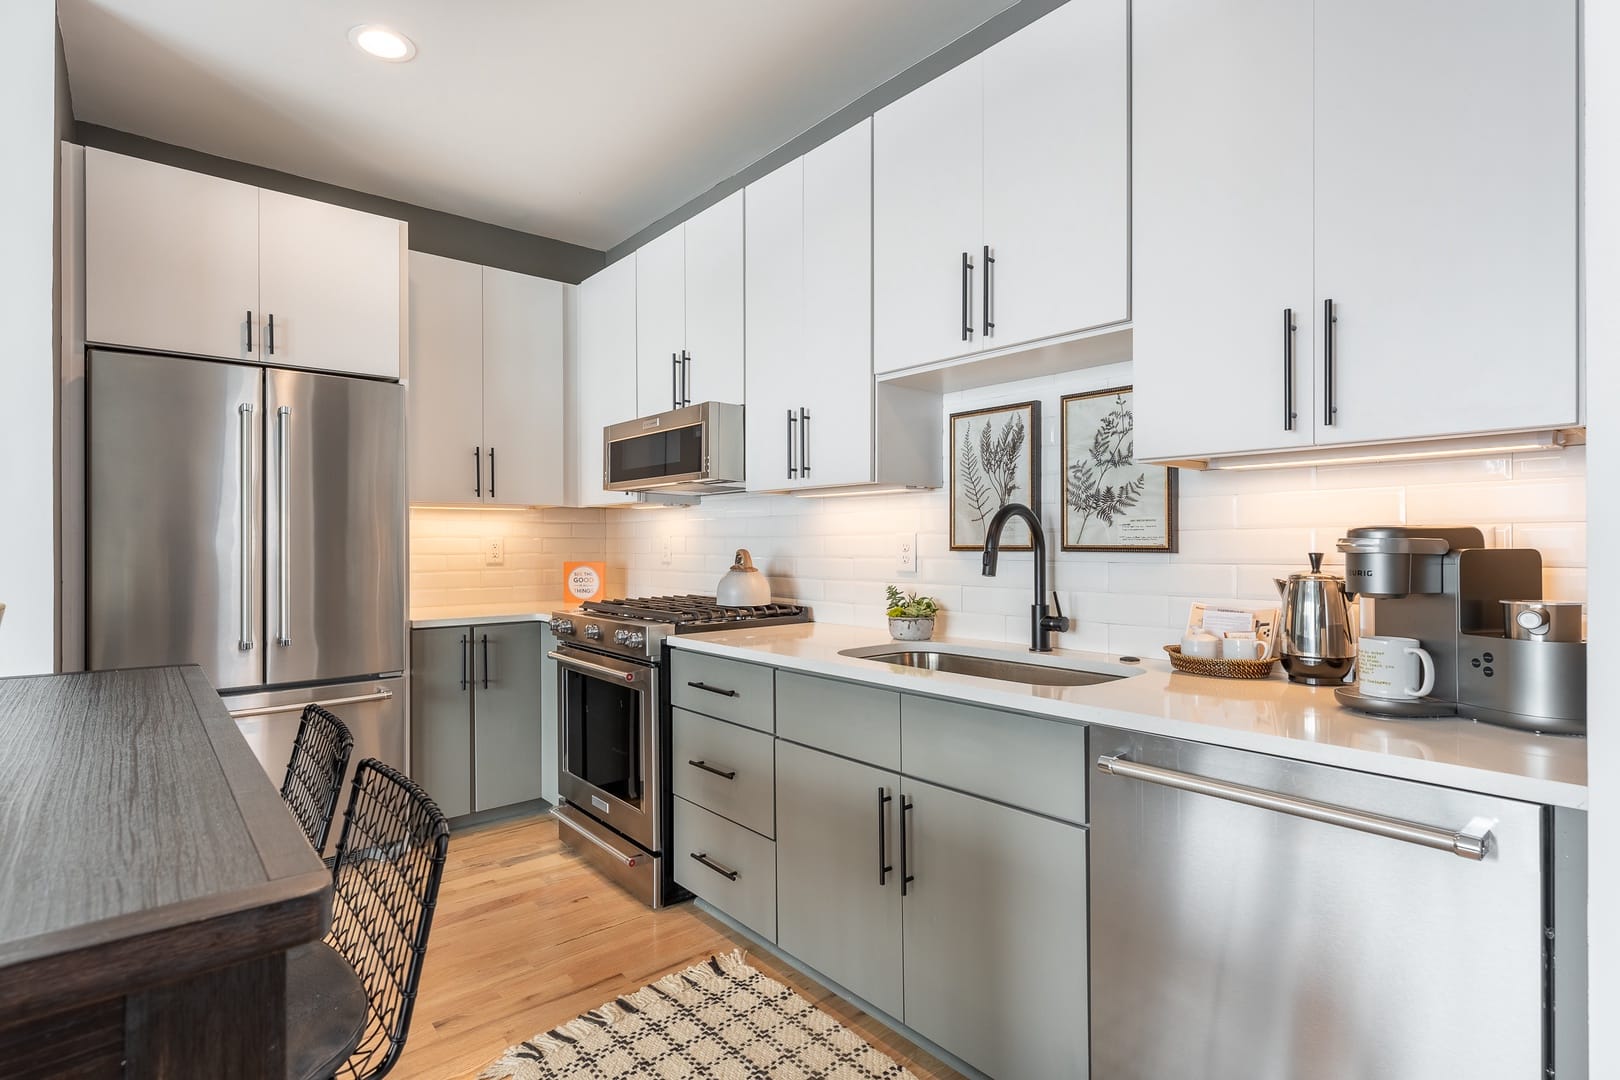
x,y
1001,201
1415,171
445,400
603,373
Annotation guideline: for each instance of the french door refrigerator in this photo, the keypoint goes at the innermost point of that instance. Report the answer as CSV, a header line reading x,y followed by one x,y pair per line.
x,y
251,520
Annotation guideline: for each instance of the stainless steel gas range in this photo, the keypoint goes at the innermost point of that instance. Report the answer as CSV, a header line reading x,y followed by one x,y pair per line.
x,y
614,725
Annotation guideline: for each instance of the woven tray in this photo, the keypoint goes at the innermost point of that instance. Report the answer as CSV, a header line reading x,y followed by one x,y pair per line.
x,y
1220,669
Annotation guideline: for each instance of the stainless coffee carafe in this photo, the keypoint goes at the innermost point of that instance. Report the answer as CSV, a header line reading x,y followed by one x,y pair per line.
x,y
1316,638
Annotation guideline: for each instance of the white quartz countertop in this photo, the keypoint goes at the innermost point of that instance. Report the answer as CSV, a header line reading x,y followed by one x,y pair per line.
x,y
1270,716
426,618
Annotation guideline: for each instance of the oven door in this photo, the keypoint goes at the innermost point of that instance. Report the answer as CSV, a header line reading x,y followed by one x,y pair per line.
x,y
607,708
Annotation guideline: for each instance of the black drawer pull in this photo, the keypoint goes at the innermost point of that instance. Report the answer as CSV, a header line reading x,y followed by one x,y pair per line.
x,y
712,689
706,767
703,857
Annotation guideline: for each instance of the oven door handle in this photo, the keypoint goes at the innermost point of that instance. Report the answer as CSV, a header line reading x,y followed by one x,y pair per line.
x,y
616,674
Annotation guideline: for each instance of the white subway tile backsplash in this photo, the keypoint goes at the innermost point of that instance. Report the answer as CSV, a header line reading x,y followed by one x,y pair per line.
x,y
447,553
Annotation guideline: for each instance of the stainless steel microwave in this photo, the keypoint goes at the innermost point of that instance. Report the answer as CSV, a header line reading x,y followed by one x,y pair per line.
x,y
698,449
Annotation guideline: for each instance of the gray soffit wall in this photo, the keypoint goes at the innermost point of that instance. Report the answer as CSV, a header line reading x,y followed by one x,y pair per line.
x,y
963,48
432,231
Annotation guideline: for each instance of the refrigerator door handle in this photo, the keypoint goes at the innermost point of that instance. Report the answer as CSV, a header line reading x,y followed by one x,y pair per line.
x,y
283,452
299,706
244,415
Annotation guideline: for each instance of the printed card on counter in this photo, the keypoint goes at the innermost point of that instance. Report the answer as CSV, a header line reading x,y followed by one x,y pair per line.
x,y
584,581
1227,620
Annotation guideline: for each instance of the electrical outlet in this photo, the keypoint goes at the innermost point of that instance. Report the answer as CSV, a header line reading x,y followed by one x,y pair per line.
x,y
905,553
495,551
666,550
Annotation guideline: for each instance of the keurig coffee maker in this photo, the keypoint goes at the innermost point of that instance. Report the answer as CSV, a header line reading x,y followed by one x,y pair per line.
x,y
1500,654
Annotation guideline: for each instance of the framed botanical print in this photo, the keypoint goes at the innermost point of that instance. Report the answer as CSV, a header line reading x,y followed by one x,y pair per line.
x,y
1110,503
995,460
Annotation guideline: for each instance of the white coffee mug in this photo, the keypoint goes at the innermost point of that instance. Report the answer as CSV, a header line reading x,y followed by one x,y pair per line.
x,y
1399,668
1240,646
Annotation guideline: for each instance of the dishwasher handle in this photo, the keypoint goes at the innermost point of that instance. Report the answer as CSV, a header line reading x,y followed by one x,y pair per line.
x,y
1473,841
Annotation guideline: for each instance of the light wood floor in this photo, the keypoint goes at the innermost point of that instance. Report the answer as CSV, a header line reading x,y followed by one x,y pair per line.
x,y
527,937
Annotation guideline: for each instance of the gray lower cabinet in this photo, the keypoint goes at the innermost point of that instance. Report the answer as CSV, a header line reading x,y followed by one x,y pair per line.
x,y
838,907
477,739
551,778
995,933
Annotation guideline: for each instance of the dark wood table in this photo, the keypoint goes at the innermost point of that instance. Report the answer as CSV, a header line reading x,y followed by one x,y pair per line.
x,y
151,882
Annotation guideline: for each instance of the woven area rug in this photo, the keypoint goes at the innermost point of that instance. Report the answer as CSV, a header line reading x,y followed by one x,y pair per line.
x,y
722,1020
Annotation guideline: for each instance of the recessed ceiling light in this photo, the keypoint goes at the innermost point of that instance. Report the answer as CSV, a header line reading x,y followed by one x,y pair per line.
x,y
383,43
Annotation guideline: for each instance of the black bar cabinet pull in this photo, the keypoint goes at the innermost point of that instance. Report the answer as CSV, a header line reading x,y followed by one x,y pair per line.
x,y
492,472
703,857
464,661
884,867
250,331
1289,415
989,269
724,774
792,469
1328,319
906,877
967,297
712,689
478,472
674,380
686,378
270,335
804,441
484,641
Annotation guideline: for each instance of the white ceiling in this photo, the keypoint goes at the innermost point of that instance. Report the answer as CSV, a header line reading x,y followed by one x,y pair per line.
x,y
585,120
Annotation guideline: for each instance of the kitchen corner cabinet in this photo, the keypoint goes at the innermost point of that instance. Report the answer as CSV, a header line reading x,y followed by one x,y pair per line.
x,y
179,262
1001,194
476,728
487,359
603,370
1394,217
689,312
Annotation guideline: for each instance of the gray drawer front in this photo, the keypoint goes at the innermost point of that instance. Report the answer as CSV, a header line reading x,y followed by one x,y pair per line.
x,y
1023,761
859,722
741,693
729,848
749,796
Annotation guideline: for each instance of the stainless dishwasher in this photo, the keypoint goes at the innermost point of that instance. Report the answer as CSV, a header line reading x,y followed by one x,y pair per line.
x,y
1254,918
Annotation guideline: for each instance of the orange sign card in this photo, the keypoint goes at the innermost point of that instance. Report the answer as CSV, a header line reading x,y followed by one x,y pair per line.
x,y
585,581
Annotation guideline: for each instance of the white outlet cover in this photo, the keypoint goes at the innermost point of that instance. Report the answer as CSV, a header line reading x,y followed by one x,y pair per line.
x,y
905,553
495,551
666,550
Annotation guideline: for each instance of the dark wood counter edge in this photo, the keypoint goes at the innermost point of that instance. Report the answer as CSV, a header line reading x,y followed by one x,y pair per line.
x,y
126,954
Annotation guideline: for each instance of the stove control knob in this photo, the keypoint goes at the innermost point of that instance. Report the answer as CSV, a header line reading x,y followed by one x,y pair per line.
x,y
593,631
621,637
635,639
562,627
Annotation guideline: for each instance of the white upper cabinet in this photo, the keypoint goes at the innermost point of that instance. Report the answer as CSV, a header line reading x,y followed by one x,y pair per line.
x,y
776,325
524,336
603,373
1415,171
927,220
713,367
171,259
444,398
1056,176
329,283
1001,210
180,262
1222,226
659,290
1446,215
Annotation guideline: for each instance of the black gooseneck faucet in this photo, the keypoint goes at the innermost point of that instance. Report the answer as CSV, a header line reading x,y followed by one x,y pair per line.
x,y
1042,622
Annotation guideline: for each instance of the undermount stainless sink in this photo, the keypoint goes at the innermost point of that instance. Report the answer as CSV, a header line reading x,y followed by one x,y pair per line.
x,y
985,665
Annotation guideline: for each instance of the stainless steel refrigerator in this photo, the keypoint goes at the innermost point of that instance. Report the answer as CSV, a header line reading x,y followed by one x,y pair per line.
x,y
251,520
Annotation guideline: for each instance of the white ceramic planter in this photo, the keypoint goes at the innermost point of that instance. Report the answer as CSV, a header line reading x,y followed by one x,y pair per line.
x,y
911,629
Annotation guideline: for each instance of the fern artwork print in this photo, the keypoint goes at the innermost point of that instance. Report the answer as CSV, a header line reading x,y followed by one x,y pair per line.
x,y
1110,503
995,460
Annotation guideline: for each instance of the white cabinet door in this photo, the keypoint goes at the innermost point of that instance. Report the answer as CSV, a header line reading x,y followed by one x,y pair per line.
x,y
1446,215
330,278
999,899
1056,176
836,383
603,375
660,323
927,219
524,326
775,337
171,259
1221,174
714,304
444,397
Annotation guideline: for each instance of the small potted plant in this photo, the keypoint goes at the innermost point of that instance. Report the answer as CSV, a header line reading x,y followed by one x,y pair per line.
x,y
911,617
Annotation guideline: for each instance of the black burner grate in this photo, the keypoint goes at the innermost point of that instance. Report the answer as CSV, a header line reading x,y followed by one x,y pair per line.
x,y
692,611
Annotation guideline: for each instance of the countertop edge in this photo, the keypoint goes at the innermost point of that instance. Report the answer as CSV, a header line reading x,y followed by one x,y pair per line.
x,y
541,613
1483,781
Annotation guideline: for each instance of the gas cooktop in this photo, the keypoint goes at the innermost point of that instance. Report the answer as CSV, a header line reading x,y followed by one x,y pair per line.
x,y
637,626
